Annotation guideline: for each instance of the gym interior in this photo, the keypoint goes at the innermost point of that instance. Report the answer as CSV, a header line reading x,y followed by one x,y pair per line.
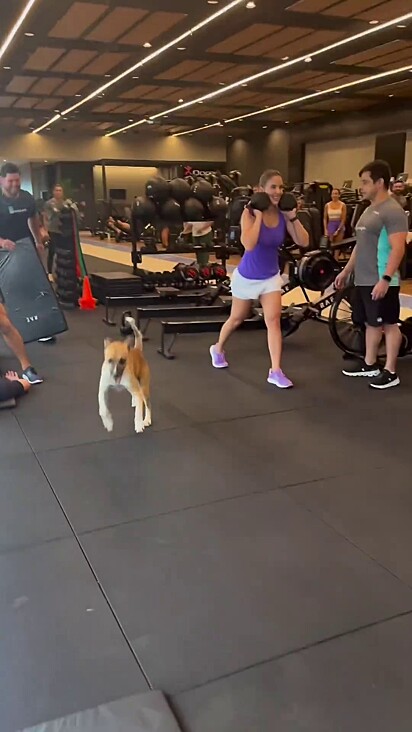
x,y
245,562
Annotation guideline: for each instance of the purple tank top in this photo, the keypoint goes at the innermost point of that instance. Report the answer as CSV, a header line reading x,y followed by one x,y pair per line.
x,y
263,261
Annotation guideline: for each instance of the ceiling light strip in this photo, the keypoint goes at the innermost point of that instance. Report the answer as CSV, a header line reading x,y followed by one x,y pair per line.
x,y
314,95
272,70
19,22
197,129
305,98
150,57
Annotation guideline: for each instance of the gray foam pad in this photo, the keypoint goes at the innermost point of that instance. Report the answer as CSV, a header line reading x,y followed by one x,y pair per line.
x,y
148,712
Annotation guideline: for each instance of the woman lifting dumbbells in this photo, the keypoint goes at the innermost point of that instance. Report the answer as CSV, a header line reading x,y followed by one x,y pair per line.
x,y
263,233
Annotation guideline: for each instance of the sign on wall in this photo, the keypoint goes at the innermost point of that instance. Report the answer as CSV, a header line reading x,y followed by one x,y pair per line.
x,y
200,169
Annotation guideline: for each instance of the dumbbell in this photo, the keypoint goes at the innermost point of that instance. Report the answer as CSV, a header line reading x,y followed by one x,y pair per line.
x,y
259,202
191,276
205,272
168,279
149,281
219,272
178,279
158,279
161,279
287,202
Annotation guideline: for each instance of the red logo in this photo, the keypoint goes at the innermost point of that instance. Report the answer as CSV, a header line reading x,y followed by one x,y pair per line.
x,y
187,170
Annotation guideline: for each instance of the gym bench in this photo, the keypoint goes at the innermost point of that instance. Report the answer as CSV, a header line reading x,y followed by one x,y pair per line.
x,y
144,315
171,329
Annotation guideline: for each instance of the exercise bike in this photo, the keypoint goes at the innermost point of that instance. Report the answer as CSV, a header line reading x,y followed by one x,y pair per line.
x,y
315,271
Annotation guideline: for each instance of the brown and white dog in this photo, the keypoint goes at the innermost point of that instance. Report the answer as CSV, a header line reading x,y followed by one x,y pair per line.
x,y
125,367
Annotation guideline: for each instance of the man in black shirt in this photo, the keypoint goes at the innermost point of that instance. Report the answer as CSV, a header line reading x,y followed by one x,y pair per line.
x,y
18,220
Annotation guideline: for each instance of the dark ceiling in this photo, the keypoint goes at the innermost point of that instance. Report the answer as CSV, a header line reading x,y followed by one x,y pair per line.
x,y
78,46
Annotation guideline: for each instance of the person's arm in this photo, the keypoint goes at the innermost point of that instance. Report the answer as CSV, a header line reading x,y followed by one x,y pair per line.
x,y
325,220
250,224
35,228
344,275
124,226
397,244
7,244
46,217
342,223
350,266
45,220
296,230
76,210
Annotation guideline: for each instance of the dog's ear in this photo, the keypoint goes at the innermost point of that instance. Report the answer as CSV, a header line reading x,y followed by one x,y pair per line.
x,y
107,342
130,342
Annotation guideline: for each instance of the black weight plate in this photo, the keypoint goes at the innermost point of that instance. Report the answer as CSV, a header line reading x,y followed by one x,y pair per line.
x,y
317,270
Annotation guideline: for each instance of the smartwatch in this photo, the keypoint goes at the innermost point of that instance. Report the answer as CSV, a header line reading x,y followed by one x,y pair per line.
x,y
387,278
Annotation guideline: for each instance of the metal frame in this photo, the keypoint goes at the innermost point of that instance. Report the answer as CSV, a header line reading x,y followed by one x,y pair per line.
x,y
175,328
111,301
145,315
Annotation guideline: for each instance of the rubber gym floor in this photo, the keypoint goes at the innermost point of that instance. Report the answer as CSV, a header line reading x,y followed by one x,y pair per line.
x,y
249,555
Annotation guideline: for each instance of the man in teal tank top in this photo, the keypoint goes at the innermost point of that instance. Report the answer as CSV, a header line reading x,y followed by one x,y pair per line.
x,y
380,247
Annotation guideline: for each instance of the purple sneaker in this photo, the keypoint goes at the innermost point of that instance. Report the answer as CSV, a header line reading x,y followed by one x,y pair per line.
x,y
279,379
218,359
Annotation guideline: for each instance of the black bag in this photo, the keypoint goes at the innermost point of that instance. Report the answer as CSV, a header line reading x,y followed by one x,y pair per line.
x,y
28,295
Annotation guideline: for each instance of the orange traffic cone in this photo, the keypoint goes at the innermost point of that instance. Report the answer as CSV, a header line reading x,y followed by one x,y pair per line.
x,y
87,301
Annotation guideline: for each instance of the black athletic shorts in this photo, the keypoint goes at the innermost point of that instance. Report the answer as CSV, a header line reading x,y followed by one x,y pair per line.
x,y
376,312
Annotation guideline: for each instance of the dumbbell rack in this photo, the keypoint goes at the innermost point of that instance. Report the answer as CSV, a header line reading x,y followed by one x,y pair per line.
x,y
222,252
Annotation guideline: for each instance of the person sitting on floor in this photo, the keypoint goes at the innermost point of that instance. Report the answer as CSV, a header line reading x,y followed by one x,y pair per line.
x,y
11,388
119,227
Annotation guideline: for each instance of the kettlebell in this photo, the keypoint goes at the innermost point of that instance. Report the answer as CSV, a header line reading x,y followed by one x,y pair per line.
x,y
287,202
259,201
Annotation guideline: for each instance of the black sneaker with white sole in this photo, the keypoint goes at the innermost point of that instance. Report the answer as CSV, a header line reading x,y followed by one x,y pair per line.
x,y
30,374
385,380
361,368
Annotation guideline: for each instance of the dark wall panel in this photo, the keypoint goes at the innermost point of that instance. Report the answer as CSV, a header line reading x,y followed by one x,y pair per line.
x,y
79,184
296,172
391,147
353,124
256,152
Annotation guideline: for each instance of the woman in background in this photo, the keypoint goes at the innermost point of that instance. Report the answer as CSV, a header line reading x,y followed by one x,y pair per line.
x,y
200,234
52,212
334,218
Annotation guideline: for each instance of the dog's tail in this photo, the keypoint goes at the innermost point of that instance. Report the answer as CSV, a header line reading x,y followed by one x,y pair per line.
x,y
138,337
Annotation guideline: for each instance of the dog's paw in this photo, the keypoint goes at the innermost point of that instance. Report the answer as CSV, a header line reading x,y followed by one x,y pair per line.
x,y
107,420
139,427
148,420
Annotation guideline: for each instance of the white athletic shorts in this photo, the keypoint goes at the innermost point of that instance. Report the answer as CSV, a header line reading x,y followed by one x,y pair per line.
x,y
245,289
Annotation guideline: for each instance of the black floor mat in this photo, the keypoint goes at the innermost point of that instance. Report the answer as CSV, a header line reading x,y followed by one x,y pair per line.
x,y
247,555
